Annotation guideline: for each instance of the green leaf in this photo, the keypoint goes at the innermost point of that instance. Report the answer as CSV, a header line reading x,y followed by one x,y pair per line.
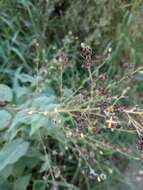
x,y
5,118
45,103
38,121
18,53
5,93
67,92
21,91
12,152
22,183
44,167
26,78
38,185
6,172
30,161
5,186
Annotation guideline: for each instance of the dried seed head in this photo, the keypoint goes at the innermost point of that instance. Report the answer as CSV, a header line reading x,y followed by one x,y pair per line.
x,y
100,152
56,119
35,43
45,113
104,105
54,187
118,108
103,176
103,91
82,45
87,51
110,50
98,179
91,154
62,59
57,172
103,77
30,112
87,55
54,152
82,135
110,170
83,171
93,174
140,143
70,157
3,103
127,66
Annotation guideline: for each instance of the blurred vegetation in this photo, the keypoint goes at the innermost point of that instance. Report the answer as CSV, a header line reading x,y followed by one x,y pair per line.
x,y
68,69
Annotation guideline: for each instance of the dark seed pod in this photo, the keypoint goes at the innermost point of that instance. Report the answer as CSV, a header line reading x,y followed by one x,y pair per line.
x,y
104,105
140,143
127,66
87,51
118,108
87,55
103,77
103,91
3,104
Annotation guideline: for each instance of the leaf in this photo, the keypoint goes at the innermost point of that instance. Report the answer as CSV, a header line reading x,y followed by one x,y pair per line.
x,y
22,183
12,152
38,121
25,162
56,132
18,54
26,78
5,186
67,92
38,185
21,91
5,93
45,103
5,118
44,167
6,172
21,118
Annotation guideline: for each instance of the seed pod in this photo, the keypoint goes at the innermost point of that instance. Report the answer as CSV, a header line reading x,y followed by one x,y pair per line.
x,y
140,143
118,108
3,103
103,91
127,66
87,55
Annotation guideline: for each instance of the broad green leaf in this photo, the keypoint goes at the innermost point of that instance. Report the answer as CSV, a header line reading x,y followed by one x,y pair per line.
x,y
45,103
6,172
5,118
5,185
56,132
22,183
5,93
38,121
12,152
20,120
67,92
21,91
28,161
44,167
38,185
